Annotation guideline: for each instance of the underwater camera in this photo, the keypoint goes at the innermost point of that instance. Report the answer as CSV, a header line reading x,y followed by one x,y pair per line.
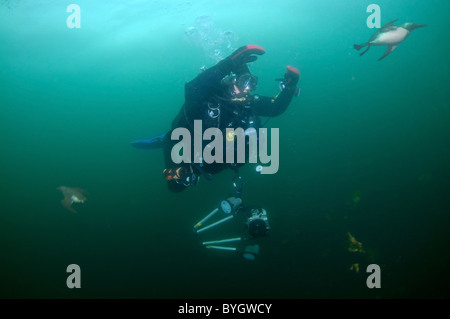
x,y
258,223
255,220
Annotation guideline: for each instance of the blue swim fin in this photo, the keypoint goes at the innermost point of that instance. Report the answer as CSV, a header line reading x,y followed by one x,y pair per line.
x,y
151,143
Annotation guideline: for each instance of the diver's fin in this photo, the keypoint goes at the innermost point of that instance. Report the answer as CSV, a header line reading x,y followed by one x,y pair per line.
x,y
388,50
151,143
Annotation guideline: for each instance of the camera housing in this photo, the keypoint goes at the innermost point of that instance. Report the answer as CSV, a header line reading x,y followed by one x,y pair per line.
x,y
258,223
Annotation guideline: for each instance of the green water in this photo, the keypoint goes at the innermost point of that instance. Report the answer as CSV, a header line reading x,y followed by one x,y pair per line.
x,y
72,100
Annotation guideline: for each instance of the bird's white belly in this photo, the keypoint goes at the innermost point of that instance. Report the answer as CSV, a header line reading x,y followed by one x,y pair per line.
x,y
76,199
391,37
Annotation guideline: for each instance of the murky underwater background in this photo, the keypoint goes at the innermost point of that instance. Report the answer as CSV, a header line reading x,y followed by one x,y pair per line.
x,y
364,150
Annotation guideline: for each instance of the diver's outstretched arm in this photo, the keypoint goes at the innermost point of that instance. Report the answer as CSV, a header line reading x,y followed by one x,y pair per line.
x,y
274,106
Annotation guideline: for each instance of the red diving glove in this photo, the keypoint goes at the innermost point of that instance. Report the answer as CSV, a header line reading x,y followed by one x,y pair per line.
x,y
291,76
178,173
246,54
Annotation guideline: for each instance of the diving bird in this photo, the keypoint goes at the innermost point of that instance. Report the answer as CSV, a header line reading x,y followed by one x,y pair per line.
x,y
72,195
389,35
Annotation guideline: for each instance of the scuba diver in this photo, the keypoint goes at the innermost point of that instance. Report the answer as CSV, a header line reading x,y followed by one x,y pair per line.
x,y
221,98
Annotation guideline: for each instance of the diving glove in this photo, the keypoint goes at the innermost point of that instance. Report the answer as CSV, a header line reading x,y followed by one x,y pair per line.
x,y
291,76
246,54
180,175
290,80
